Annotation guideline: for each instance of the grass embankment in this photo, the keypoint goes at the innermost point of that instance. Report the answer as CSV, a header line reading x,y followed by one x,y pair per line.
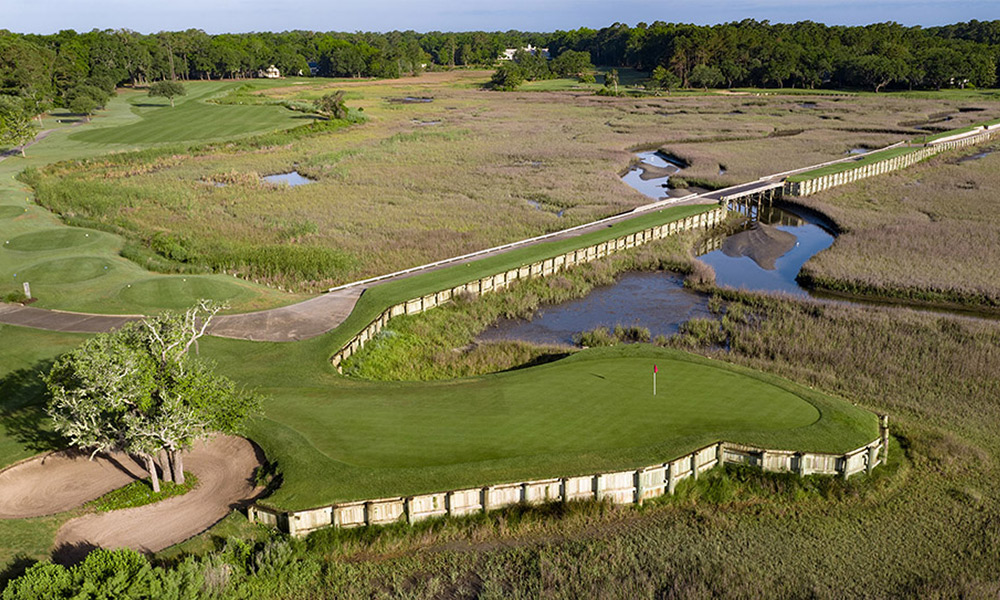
x,y
140,493
82,269
468,170
440,344
376,299
928,234
865,160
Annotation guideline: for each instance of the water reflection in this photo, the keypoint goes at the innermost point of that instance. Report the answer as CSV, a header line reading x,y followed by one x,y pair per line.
x,y
764,254
292,178
652,173
655,300
768,252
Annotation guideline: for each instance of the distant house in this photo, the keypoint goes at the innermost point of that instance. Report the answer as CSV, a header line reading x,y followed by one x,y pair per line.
x,y
509,53
271,72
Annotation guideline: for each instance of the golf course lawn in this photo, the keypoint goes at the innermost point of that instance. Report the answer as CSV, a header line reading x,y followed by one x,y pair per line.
x,y
336,439
81,269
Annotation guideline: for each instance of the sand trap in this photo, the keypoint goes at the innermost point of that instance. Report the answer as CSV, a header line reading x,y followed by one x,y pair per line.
x,y
59,482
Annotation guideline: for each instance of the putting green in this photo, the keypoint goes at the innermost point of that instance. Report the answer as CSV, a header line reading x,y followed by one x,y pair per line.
x,y
180,291
339,440
10,211
51,239
592,405
67,270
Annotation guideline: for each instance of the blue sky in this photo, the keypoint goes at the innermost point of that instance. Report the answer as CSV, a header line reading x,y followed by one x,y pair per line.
x,y
217,16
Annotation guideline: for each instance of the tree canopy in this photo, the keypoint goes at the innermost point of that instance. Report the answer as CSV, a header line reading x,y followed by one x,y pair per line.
x,y
16,127
167,89
332,105
747,53
139,390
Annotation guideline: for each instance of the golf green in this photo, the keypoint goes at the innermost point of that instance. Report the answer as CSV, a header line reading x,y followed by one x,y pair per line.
x,y
9,211
338,440
51,239
180,292
67,270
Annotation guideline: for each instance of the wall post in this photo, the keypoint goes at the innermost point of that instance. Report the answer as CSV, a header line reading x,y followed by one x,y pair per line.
x,y
883,426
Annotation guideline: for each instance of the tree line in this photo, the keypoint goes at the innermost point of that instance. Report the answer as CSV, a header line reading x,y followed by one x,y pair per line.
x,y
805,54
80,71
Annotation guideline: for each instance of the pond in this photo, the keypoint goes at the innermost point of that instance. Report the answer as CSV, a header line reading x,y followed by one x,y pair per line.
x,y
768,253
651,174
292,178
655,300
411,100
765,254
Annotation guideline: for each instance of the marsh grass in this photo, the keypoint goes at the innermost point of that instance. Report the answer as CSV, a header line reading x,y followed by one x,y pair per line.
x,y
390,194
928,234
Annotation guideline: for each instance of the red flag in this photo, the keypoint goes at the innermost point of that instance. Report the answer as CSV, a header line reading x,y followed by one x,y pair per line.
x,y
654,368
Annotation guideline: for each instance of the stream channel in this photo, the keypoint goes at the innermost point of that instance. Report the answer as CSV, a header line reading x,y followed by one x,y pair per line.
x,y
765,254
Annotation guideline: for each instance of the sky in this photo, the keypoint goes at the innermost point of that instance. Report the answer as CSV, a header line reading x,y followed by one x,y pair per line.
x,y
221,16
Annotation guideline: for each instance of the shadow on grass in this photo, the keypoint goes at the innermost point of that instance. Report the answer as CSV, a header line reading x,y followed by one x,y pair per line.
x,y
22,409
539,360
15,569
71,554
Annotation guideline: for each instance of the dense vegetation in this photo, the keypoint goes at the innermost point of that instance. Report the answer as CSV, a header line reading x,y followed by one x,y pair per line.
x,y
59,67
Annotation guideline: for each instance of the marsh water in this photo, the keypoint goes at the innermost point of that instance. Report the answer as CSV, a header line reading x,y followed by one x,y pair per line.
x,y
764,254
292,178
652,174
656,300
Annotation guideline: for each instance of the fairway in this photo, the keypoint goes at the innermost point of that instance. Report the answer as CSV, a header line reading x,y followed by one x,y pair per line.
x,y
66,265
192,119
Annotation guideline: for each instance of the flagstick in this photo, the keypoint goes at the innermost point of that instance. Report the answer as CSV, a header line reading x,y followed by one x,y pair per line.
x,y
654,383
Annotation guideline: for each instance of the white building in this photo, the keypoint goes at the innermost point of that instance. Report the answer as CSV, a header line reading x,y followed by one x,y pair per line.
x,y
272,72
509,53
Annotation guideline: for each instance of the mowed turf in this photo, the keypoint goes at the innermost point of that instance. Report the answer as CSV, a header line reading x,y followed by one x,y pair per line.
x,y
336,439
25,354
191,119
80,269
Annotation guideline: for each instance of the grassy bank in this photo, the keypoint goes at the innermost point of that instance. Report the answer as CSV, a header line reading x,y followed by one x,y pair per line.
x,y
440,344
867,159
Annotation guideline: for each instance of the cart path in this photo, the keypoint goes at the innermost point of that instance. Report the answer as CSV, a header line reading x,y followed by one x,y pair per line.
x,y
295,322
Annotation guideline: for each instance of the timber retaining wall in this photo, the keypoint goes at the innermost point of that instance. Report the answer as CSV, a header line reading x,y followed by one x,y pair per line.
x,y
629,486
542,268
818,184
